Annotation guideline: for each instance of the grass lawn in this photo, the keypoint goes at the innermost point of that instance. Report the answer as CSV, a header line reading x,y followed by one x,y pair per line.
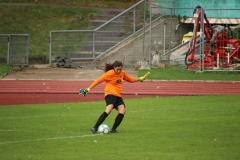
x,y
174,128
179,73
38,21
4,69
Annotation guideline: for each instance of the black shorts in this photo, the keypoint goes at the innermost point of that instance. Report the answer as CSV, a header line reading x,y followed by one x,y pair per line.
x,y
116,101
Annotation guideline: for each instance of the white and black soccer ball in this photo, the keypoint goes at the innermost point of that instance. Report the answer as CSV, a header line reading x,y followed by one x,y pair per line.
x,y
103,129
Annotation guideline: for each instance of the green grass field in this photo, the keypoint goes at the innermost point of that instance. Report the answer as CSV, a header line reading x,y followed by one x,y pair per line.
x,y
170,128
5,69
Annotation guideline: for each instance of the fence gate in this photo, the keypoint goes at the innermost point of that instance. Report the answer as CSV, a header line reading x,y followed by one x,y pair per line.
x,y
15,49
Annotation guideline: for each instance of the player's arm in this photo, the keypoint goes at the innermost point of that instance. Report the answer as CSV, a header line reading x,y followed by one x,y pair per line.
x,y
131,79
143,77
85,91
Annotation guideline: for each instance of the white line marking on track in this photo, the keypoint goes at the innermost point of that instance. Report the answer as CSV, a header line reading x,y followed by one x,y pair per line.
x,y
45,139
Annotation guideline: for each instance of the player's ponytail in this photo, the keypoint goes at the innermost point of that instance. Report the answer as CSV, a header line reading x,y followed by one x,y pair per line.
x,y
109,66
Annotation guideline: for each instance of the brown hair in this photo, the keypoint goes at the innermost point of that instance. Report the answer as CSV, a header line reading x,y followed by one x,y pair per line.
x,y
109,66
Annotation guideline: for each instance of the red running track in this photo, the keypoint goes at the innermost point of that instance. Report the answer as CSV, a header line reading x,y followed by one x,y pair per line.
x,y
14,92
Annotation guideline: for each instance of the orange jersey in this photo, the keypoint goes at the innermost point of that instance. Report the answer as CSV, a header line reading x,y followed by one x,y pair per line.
x,y
113,82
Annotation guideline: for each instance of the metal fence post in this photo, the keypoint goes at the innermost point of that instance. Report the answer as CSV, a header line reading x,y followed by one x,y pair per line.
x,y
134,20
8,58
144,26
94,35
150,38
50,49
202,42
169,47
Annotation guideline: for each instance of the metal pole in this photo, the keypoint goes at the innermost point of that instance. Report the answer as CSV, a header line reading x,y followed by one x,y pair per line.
x,y
50,52
94,44
8,60
134,20
144,23
164,39
202,40
200,46
27,48
170,33
150,37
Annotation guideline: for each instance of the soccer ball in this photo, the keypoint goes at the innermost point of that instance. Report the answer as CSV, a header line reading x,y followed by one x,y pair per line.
x,y
103,129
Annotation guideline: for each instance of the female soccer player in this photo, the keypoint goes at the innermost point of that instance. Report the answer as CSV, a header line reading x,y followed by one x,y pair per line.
x,y
113,76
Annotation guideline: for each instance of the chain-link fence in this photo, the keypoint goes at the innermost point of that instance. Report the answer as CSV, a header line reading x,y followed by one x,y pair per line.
x,y
14,49
3,48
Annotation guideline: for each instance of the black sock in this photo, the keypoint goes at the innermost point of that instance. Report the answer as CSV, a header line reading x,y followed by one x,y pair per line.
x,y
101,119
118,120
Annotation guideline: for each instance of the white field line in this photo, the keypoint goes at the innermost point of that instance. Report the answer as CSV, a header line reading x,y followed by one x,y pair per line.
x,y
2,130
89,135
26,131
46,139
145,110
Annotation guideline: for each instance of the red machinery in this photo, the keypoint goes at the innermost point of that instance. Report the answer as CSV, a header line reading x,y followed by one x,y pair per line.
x,y
217,44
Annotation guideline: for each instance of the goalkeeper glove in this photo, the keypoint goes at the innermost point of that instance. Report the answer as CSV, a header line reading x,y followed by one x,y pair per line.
x,y
144,77
84,92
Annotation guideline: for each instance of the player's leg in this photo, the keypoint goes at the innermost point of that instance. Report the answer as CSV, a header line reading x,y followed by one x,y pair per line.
x,y
121,112
103,116
110,100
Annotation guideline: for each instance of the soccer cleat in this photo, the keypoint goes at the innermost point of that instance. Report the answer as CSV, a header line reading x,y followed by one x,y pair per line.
x,y
113,131
94,130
